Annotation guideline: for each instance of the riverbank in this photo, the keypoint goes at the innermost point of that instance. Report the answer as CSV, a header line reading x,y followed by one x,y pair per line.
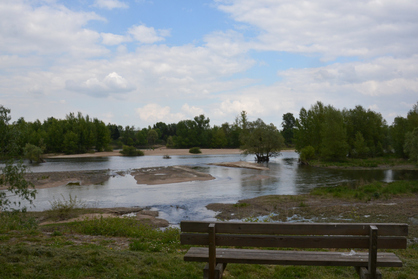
x,y
128,248
161,151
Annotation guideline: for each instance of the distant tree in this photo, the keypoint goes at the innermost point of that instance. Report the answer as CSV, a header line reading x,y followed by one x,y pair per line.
x,y
411,145
33,153
288,125
219,139
360,148
131,151
309,126
398,131
263,140
170,142
152,136
333,135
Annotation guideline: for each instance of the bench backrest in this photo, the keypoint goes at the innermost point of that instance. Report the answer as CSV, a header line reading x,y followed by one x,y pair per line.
x,y
294,235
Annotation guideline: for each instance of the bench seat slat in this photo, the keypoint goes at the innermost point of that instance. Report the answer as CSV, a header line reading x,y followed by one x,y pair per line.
x,y
297,228
293,241
200,254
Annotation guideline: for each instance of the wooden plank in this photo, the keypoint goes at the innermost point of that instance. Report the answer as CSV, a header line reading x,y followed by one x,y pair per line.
x,y
200,254
293,241
385,229
373,252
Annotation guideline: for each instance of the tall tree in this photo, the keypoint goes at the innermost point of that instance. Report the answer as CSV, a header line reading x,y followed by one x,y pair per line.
x,y
288,125
262,140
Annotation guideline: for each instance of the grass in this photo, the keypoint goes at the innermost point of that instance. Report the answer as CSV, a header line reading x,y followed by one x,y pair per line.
x,y
88,249
363,163
370,191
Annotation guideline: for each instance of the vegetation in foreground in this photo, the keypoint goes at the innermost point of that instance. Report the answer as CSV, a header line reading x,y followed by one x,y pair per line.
x,y
127,248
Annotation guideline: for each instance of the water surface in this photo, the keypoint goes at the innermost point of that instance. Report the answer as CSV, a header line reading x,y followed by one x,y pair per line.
x,y
187,200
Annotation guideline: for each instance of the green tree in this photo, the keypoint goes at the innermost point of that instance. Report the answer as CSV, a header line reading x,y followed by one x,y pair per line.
x,y
33,153
288,125
333,135
152,136
219,139
398,131
263,140
12,173
360,148
309,126
411,145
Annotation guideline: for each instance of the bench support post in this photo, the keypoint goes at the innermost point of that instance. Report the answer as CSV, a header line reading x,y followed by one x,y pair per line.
x,y
212,251
219,270
373,252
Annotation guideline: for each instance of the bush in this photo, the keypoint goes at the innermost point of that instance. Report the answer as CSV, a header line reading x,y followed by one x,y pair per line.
x,y
131,151
195,150
307,153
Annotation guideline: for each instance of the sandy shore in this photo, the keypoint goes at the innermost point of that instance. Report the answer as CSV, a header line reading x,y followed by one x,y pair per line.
x,y
161,151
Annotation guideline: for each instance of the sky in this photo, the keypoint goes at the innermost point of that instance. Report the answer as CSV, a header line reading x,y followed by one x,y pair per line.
x,y
139,62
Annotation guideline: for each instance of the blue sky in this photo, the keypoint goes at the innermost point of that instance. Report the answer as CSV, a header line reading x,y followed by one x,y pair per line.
x,y
139,62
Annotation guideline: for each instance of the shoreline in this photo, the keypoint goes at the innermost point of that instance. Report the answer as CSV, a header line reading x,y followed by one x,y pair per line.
x,y
161,151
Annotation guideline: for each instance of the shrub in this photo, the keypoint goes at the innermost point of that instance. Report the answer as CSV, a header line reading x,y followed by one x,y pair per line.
x,y
307,153
195,150
131,151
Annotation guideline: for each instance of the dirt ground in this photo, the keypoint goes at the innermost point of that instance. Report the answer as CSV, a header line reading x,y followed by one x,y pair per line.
x,y
144,215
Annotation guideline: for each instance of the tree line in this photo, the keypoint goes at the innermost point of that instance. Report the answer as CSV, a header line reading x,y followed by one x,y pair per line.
x,y
328,133
321,131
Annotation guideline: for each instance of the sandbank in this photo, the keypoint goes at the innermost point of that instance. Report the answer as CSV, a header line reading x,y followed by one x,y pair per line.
x,y
161,151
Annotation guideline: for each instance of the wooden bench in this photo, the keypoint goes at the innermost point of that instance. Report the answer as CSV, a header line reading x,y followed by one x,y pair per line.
x,y
294,235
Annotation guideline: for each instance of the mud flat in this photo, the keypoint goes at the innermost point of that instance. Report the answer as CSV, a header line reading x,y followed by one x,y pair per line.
x,y
149,176
241,164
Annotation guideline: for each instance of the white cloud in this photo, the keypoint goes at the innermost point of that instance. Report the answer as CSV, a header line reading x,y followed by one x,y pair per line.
x,y
147,35
47,30
155,113
191,111
112,83
331,28
110,4
113,39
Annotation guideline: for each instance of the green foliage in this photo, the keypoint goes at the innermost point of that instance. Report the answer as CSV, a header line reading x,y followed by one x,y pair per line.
x,y
411,145
307,153
369,191
16,221
62,209
12,174
333,136
195,150
170,142
360,149
33,153
131,151
263,140
152,136
288,125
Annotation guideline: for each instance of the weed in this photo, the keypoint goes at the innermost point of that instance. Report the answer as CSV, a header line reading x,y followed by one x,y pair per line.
x,y
64,209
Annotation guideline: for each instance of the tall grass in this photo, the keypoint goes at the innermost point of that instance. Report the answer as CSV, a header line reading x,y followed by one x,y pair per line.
x,y
374,190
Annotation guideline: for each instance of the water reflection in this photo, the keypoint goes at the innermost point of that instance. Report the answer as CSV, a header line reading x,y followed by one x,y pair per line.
x,y
182,201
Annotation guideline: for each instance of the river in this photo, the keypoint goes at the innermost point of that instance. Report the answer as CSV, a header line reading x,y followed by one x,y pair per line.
x,y
187,201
